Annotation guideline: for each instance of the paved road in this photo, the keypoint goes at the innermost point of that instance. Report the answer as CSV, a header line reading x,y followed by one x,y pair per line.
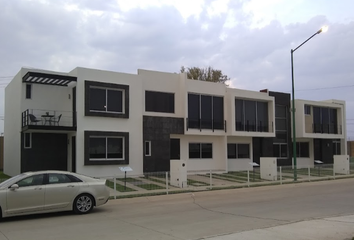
x,y
226,214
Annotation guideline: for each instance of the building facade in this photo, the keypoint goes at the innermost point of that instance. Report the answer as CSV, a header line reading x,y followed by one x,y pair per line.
x,y
92,122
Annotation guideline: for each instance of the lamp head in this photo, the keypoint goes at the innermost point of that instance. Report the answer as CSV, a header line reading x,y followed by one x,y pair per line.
x,y
323,29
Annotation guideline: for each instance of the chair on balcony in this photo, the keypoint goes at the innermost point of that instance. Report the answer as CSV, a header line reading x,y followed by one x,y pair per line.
x,y
55,121
33,119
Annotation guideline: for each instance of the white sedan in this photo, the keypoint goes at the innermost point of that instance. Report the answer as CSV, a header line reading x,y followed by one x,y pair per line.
x,y
51,191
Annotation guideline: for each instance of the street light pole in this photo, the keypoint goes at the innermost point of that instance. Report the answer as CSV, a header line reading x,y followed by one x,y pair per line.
x,y
323,29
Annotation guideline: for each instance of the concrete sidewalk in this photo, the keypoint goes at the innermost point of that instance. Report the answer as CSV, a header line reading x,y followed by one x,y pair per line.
x,y
335,228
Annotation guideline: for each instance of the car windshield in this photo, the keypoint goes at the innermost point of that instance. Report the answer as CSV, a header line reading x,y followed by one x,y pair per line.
x,y
13,179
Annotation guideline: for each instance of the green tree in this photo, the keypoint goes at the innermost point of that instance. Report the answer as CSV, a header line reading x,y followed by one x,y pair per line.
x,y
208,74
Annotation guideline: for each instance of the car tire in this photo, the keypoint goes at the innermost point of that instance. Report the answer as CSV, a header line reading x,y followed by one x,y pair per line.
x,y
83,204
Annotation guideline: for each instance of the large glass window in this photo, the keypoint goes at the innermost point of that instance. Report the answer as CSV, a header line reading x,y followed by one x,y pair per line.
x,y
238,150
174,148
106,100
251,116
280,150
302,149
325,120
106,148
200,150
205,111
159,102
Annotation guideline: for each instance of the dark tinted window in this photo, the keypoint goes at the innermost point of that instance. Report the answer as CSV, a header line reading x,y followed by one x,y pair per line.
x,y
193,110
55,178
239,115
243,151
106,100
115,148
31,181
97,99
206,112
114,101
302,149
231,150
174,148
147,148
73,178
28,91
27,140
97,148
280,111
262,116
218,112
159,102
207,150
194,150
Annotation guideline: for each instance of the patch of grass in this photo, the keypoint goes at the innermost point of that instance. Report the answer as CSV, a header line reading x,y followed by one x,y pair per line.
x,y
150,178
3,176
196,183
119,187
150,186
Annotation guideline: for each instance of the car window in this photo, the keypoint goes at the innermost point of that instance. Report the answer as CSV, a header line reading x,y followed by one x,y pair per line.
x,y
73,178
56,178
31,181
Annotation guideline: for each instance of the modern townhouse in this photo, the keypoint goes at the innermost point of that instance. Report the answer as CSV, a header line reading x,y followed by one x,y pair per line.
x,y
93,122
320,131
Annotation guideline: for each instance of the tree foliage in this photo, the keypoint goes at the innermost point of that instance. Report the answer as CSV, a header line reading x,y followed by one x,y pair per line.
x,y
208,74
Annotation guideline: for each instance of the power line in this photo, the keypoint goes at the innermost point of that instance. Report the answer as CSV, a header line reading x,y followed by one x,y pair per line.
x,y
324,88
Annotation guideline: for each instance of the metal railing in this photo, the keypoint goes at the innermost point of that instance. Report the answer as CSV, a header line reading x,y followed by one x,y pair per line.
x,y
205,124
253,126
159,183
41,117
327,128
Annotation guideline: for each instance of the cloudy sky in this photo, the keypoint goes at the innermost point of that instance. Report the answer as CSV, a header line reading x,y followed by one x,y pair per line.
x,y
249,40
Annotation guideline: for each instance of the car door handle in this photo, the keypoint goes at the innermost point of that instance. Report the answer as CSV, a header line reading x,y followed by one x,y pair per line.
x,y
70,186
38,188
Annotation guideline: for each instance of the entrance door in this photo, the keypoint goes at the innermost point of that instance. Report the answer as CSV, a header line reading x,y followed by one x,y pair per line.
x,y
317,147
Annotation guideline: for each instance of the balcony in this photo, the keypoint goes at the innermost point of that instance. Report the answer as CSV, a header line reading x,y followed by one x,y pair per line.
x,y
205,124
253,126
327,128
48,120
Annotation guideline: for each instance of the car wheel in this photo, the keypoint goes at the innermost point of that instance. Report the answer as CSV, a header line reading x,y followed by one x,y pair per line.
x,y
83,204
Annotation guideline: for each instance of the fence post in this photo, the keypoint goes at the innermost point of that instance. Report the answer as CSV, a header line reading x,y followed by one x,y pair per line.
x,y
211,180
248,178
166,183
281,177
309,173
115,187
334,173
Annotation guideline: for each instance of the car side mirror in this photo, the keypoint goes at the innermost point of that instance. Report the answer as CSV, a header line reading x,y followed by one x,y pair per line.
x,y
14,186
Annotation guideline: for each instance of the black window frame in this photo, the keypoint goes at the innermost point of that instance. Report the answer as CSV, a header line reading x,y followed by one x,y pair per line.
x,y
207,118
247,119
161,102
123,135
27,145
147,149
233,150
28,91
302,149
307,109
108,86
281,146
202,154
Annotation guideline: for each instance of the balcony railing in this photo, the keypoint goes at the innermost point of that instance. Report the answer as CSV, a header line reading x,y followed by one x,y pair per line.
x,y
205,124
48,118
253,126
327,128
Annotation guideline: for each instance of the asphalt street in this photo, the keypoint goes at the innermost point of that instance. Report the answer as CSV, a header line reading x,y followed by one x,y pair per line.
x,y
294,210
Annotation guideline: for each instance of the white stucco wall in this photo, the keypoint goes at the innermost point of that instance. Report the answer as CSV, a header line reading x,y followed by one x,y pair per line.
x,y
218,162
244,163
132,125
163,82
12,126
